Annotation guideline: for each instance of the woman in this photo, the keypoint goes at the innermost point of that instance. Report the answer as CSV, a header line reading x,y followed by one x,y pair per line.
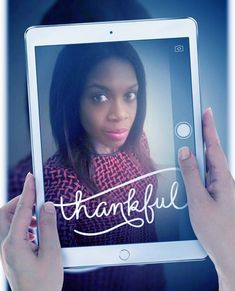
x,y
97,112
115,278
216,202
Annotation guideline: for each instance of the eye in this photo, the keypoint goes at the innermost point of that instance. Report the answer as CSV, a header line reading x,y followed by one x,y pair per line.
x,y
100,98
131,96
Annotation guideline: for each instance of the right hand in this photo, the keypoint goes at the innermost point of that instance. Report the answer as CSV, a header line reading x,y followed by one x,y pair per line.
x,y
212,208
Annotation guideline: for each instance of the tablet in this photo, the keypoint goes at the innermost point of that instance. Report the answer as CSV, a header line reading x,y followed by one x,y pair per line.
x,y
110,105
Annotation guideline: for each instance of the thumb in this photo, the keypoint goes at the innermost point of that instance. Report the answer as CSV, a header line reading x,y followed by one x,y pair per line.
x,y
49,239
197,194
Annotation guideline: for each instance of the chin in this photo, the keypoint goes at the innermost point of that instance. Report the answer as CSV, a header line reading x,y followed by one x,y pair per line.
x,y
118,145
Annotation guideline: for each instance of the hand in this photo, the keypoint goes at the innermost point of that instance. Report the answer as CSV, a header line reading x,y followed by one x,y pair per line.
x,y
212,208
28,267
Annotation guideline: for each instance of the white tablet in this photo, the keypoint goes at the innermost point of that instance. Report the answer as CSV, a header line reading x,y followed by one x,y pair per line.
x,y
110,105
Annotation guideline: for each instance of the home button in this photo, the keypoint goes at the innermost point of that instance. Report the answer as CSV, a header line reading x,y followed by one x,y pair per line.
x,y
124,255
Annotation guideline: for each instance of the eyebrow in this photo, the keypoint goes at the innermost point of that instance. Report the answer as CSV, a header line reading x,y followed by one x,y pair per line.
x,y
96,85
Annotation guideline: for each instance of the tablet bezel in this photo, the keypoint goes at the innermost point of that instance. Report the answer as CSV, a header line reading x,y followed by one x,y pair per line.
x,y
102,32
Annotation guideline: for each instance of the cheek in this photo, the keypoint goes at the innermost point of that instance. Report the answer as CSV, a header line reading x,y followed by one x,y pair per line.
x,y
133,111
92,118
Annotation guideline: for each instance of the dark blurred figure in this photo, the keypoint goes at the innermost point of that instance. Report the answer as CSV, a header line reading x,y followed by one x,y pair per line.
x,y
76,11
142,278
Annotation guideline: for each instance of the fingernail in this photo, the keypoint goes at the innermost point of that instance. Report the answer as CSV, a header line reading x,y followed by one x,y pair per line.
x,y
49,207
27,176
184,153
209,110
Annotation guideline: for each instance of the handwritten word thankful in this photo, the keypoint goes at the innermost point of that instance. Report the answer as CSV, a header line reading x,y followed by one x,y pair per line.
x,y
126,208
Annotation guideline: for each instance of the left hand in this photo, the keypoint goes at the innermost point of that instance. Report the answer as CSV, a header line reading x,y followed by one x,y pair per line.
x,y
27,266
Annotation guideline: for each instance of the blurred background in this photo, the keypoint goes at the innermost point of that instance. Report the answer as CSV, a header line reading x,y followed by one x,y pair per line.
x,y
211,16
212,25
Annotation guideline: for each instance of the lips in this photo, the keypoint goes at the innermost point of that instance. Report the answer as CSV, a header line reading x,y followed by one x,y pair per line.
x,y
116,134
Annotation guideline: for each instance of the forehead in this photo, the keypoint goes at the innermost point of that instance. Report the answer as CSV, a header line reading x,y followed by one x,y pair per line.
x,y
112,69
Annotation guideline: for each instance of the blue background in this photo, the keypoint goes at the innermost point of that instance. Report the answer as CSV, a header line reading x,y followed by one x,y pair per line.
x,y
211,16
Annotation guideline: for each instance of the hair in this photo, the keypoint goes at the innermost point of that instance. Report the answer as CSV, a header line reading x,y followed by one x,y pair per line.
x,y
76,11
80,11
73,65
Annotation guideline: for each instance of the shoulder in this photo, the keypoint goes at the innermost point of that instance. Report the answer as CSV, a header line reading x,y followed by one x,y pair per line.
x,y
56,163
59,178
56,168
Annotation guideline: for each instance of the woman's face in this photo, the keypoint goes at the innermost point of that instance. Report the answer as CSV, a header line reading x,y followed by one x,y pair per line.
x,y
109,104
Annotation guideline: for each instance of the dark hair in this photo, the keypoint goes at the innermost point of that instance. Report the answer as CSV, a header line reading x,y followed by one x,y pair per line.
x,y
76,11
80,11
73,65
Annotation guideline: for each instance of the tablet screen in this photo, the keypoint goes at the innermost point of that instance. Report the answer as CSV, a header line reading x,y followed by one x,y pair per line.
x,y
112,118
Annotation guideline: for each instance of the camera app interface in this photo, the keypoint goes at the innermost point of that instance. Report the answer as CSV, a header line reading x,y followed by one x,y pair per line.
x,y
112,118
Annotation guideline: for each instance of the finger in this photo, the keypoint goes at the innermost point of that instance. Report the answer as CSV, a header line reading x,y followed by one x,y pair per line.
x,y
10,207
7,213
23,214
31,236
33,222
215,158
196,192
49,239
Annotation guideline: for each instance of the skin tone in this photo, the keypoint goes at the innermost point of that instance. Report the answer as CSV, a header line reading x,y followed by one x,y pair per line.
x,y
211,209
28,267
109,104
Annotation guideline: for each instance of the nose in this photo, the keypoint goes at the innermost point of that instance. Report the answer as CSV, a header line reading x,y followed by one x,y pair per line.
x,y
118,111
